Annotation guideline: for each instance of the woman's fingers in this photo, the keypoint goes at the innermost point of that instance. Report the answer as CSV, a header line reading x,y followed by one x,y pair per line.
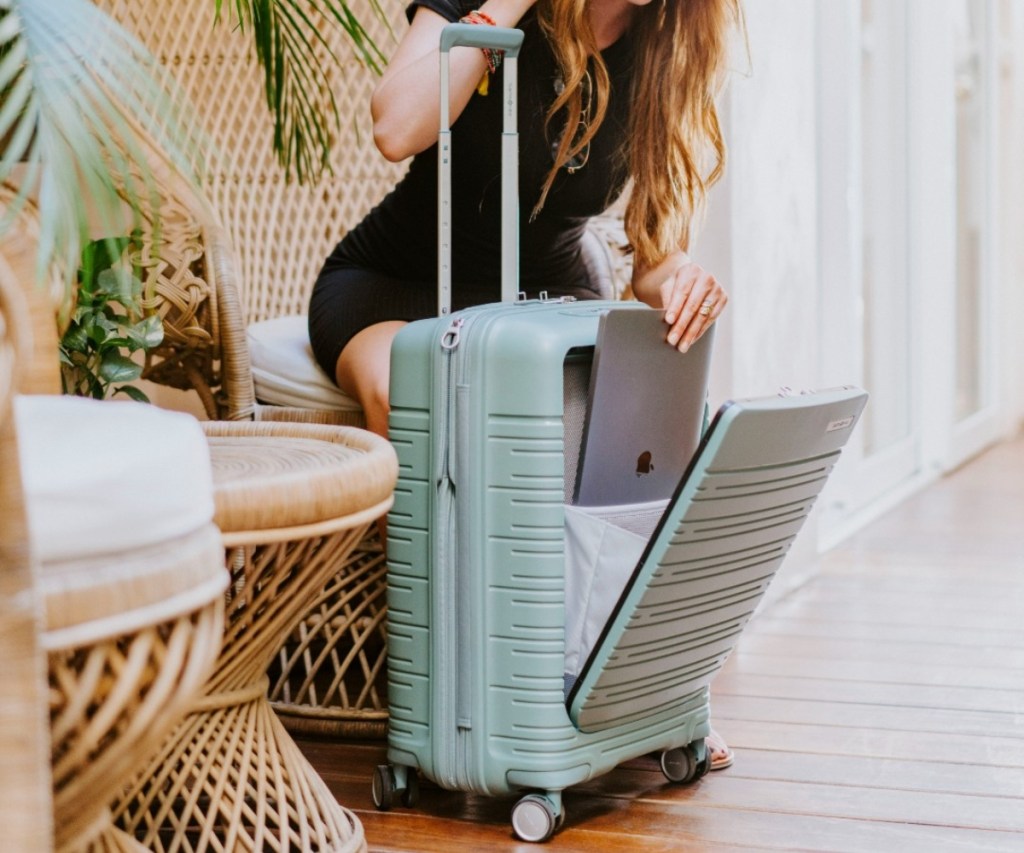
x,y
693,300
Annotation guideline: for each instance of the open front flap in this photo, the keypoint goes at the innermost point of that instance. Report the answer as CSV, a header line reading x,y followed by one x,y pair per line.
x,y
728,527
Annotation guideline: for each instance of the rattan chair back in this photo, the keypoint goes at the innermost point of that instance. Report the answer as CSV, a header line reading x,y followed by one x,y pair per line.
x,y
277,232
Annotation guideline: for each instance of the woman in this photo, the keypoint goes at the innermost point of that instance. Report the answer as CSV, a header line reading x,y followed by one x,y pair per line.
x,y
610,91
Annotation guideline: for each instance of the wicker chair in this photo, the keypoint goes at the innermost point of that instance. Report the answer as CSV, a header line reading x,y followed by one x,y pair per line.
x,y
291,502
25,799
220,286
129,629
234,296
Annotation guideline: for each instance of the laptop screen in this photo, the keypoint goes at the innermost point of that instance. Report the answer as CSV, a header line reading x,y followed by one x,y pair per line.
x,y
645,410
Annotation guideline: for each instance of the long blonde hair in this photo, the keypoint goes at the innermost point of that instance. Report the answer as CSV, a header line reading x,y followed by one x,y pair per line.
x,y
676,150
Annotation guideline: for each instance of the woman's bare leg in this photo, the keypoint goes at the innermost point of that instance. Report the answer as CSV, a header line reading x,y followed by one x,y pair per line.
x,y
363,372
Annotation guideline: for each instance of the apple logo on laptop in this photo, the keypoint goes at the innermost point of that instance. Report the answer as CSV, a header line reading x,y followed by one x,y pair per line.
x,y
644,465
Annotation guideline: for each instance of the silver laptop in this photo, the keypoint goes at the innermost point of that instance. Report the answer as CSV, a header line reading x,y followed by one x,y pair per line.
x,y
644,411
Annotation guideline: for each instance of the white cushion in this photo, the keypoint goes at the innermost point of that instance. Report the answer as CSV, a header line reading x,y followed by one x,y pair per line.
x,y
102,476
284,370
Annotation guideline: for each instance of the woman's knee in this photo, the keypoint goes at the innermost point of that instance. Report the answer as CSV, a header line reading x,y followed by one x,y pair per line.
x,y
363,370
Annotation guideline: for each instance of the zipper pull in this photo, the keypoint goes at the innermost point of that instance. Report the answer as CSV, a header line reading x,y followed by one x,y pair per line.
x,y
450,338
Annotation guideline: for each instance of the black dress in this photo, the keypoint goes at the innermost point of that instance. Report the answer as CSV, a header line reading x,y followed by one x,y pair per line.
x,y
386,267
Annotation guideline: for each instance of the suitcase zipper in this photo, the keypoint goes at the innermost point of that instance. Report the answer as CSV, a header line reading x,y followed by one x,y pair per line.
x,y
451,336
455,702
450,588
443,578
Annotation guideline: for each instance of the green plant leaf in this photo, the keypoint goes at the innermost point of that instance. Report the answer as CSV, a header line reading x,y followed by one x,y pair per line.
x,y
84,307
290,46
99,329
97,256
76,338
119,368
130,390
147,333
119,285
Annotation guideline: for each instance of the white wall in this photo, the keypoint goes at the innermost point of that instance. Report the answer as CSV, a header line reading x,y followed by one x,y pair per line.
x,y
783,235
774,187
761,234
1010,206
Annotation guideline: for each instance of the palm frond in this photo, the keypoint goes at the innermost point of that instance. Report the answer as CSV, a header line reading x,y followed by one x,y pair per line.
x,y
295,57
84,109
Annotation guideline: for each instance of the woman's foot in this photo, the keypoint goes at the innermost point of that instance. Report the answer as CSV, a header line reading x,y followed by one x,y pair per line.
x,y
721,755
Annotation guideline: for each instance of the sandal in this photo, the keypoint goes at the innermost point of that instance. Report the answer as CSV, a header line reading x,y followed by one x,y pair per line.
x,y
721,755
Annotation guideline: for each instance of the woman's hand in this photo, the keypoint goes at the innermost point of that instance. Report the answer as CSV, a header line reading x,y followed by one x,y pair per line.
x,y
691,297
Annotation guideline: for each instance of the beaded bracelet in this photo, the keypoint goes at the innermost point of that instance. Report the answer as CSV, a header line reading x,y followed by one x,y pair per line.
x,y
491,56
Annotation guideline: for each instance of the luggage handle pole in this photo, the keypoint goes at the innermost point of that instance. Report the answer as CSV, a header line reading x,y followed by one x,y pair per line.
x,y
496,38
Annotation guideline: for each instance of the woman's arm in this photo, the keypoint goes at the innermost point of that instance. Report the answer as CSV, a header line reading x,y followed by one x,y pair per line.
x,y
404,106
681,288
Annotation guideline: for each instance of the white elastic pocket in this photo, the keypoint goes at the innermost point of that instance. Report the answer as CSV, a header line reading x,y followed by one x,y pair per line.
x,y
602,547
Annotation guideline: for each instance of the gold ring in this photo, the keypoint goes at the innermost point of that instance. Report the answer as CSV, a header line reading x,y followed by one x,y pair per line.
x,y
705,308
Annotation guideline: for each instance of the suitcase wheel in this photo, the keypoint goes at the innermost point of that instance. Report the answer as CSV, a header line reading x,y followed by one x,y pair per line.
x,y
535,818
411,792
685,764
386,785
383,787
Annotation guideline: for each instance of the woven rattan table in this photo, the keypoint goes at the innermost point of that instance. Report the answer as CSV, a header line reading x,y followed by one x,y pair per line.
x,y
293,500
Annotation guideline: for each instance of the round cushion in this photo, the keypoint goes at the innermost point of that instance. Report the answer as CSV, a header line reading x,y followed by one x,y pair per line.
x,y
103,477
284,371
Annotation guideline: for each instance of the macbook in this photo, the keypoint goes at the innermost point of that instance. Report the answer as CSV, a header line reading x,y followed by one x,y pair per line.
x,y
644,412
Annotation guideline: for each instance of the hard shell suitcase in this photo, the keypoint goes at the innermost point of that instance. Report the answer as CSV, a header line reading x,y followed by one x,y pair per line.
x,y
481,406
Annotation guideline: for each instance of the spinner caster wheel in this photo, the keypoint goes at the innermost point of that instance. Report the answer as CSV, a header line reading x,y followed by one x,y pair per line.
x,y
411,791
383,787
534,818
681,765
704,766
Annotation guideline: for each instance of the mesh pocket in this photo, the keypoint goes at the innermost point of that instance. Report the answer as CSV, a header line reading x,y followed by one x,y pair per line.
x,y
602,548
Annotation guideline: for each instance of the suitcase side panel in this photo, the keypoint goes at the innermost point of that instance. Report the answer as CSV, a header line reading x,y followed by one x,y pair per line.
x,y
413,365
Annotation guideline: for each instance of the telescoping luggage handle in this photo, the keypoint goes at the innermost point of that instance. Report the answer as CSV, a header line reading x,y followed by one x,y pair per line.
x,y
496,38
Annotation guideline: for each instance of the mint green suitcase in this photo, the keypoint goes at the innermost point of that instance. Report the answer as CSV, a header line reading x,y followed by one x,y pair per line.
x,y
482,418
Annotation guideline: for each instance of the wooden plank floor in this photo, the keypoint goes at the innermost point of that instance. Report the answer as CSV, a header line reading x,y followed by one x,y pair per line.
x,y
878,708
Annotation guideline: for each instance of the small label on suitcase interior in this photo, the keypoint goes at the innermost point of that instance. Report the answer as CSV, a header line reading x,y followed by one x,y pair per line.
x,y
842,423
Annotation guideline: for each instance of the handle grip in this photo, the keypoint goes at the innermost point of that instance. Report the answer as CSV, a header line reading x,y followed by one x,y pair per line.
x,y
472,35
